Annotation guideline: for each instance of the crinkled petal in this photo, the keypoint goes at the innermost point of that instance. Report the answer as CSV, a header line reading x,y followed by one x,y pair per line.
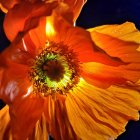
x,y
57,120
121,41
24,21
125,50
24,113
99,114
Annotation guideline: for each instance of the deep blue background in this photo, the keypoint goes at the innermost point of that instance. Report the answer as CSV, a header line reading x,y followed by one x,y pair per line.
x,y
99,12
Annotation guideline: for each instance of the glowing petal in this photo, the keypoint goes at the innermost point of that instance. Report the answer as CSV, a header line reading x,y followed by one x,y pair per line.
x,y
49,27
126,31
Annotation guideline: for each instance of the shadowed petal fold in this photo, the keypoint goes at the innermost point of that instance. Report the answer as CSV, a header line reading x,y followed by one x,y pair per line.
x,y
5,5
14,83
40,131
24,113
23,21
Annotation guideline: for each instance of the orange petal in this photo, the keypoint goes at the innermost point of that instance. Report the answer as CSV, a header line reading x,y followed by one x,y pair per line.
x,y
5,123
75,6
121,42
126,31
101,113
77,39
93,72
37,35
23,21
57,120
19,51
125,50
24,113
14,82
40,131
31,44
5,5
1,74
123,39
70,9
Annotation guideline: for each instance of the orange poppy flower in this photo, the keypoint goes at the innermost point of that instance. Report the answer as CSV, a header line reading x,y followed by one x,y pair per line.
x,y
70,83
58,81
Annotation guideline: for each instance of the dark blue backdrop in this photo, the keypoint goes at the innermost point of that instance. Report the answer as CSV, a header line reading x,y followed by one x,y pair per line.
x,y
99,12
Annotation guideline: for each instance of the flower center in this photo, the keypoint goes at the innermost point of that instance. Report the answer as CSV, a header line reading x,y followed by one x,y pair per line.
x,y
55,70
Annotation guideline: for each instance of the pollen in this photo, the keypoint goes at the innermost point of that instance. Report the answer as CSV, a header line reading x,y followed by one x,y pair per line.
x,y
55,70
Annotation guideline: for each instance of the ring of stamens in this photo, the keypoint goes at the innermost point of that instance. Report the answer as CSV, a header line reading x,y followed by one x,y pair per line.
x,y
55,70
